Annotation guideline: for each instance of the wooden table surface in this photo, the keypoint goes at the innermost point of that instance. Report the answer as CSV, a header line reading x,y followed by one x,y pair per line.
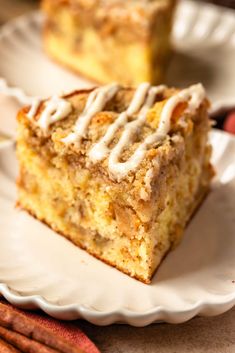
x,y
200,335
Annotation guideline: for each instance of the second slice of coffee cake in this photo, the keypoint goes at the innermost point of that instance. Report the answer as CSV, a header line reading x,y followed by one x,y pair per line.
x,y
110,40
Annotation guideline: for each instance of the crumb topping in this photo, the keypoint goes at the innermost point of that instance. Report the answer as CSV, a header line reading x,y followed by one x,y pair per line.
x,y
114,126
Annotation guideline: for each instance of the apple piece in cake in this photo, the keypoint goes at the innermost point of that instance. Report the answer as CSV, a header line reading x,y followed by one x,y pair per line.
x,y
110,40
118,171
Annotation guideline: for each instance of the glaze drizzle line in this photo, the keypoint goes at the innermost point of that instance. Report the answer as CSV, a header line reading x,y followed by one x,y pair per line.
x,y
121,169
55,109
195,94
34,108
100,150
95,104
143,99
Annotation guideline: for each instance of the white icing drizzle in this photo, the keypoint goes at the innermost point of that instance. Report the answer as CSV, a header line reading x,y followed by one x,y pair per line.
x,y
100,149
120,169
34,107
143,99
195,94
95,104
55,109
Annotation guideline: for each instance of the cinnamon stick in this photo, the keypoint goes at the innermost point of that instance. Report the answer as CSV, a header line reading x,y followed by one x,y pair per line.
x,y
15,321
23,343
7,348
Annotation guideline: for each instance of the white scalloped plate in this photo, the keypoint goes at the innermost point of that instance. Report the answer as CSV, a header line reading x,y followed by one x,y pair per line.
x,y
203,36
40,269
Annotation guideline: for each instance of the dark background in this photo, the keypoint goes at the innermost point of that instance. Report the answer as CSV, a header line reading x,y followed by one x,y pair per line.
x,y
228,3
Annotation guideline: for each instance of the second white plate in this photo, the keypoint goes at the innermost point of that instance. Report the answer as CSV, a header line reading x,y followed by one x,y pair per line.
x,y
203,37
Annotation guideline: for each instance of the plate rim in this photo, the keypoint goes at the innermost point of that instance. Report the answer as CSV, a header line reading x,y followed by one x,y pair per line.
x,y
122,315
215,305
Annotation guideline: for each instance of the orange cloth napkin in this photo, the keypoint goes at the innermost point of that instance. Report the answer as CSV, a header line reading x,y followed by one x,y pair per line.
x,y
35,332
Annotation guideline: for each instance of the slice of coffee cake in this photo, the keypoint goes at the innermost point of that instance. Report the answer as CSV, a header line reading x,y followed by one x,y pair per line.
x,y
118,171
